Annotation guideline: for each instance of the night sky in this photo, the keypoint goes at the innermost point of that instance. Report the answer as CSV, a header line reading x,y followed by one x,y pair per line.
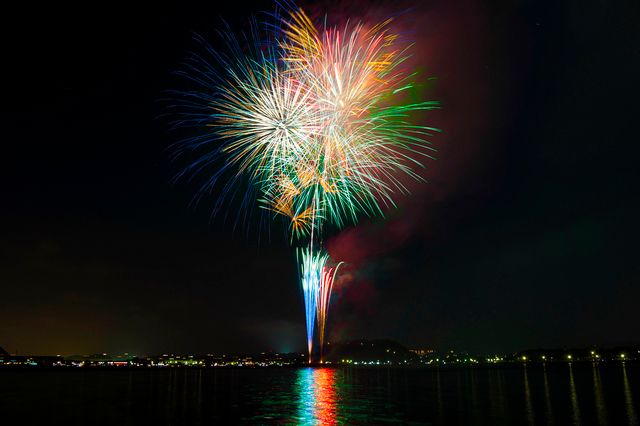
x,y
525,236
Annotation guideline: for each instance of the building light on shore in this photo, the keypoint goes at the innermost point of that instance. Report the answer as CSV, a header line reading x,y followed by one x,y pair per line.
x,y
569,357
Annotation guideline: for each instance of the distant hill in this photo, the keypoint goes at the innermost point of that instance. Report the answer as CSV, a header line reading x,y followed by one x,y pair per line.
x,y
3,352
368,350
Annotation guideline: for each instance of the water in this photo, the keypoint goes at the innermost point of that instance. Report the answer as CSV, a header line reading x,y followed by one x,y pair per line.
x,y
581,394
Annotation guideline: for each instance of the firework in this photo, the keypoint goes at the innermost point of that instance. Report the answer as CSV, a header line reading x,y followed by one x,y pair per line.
x,y
312,266
314,119
327,278
365,140
318,126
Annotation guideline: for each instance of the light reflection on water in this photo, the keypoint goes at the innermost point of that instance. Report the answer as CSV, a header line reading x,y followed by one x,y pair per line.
x,y
317,401
575,408
628,398
548,410
548,395
582,394
601,410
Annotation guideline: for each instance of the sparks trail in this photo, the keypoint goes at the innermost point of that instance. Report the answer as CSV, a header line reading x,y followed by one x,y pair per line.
x,y
327,278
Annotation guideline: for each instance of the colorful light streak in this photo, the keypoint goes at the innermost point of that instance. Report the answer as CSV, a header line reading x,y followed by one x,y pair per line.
x,y
325,396
311,267
327,278
318,399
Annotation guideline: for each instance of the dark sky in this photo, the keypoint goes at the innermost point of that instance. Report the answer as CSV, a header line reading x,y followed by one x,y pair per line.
x,y
525,236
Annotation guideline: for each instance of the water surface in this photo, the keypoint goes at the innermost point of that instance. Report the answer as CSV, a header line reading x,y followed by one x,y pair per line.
x,y
561,394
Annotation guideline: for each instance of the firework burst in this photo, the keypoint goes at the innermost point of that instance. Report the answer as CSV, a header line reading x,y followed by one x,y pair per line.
x,y
365,140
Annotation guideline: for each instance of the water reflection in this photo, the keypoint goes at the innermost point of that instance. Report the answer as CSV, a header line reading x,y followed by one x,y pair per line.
x,y
475,400
547,396
495,402
628,399
527,396
502,392
329,396
507,395
575,408
317,396
439,398
601,411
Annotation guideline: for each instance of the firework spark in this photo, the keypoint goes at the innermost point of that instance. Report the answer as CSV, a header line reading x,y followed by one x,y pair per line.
x,y
327,278
312,265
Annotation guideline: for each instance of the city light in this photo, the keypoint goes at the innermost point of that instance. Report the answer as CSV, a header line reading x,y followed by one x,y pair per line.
x,y
360,352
